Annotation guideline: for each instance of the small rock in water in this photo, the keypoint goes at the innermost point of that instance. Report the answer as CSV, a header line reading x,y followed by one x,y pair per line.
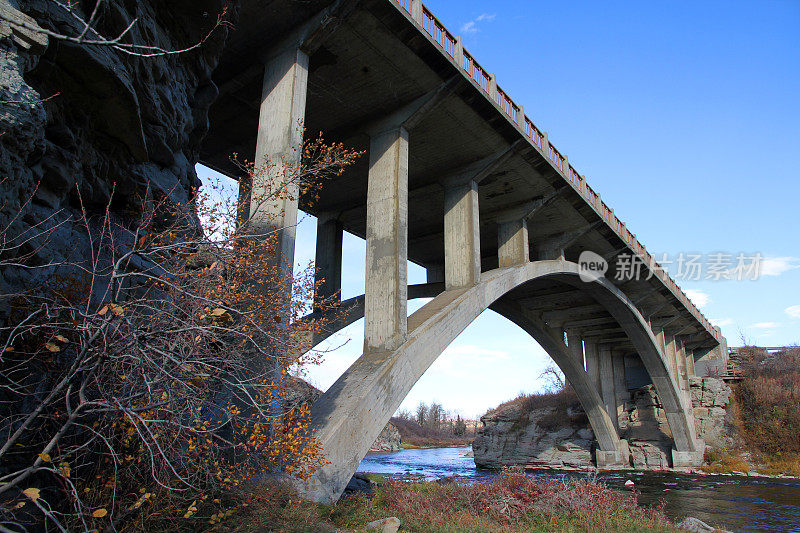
x,y
629,482
387,525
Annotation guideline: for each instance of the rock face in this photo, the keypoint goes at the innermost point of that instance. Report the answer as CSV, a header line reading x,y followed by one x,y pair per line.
x,y
643,422
91,125
300,392
388,440
513,435
547,437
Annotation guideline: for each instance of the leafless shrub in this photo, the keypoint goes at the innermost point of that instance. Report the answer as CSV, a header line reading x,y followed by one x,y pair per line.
x,y
137,384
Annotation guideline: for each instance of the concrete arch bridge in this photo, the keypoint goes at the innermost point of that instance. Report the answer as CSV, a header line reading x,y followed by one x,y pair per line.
x,y
460,181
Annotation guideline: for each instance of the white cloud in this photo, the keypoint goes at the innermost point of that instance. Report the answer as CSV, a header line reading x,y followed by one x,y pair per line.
x,y
765,325
722,322
472,25
793,311
775,266
699,298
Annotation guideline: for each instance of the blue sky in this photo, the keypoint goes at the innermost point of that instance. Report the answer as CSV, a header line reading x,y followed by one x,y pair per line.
x,y
684,116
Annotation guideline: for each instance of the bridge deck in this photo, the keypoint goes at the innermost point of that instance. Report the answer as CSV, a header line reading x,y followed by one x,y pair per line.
x,y
370,58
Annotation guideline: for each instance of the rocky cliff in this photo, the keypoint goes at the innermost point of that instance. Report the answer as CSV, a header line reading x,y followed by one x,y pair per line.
x,y
92,126
559,436
548,436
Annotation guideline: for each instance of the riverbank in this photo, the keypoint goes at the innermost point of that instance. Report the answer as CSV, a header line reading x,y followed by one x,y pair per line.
x,y
734,502
513,502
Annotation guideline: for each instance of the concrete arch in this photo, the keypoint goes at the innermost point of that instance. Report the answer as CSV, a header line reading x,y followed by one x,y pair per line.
x,y
349,416
611,450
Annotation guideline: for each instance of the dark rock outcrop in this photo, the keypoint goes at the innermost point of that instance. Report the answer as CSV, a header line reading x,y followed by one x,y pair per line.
x,y
92,126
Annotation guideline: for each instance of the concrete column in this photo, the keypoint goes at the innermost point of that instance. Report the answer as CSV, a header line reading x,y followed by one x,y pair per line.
x,y
462,243
385,298
328,260
593,364
512,243
607,384
683,369
434,274
278,151
690,363
575,344
672,358
621,394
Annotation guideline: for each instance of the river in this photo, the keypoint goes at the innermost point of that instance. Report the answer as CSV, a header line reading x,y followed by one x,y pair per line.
x,y
737,503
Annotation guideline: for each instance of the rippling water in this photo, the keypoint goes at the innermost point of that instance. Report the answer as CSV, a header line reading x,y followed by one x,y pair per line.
x,y
735,503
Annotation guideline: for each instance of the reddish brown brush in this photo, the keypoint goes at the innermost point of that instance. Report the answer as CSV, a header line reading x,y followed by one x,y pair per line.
x,y
513,496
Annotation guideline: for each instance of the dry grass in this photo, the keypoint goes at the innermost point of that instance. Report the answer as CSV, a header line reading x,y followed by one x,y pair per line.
x,y
560,402
724,462
788,464
513,502
768,402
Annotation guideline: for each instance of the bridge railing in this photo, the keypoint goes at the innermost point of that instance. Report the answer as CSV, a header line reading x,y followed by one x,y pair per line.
x,y
451,45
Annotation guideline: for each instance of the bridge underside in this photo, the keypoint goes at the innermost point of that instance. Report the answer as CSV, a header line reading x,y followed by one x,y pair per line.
x,y
458,184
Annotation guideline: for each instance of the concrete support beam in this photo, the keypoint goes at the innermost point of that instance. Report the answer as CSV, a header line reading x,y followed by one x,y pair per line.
x,y
328,260
575,344
672,357
278,151
512,243
462,252
385,297
620,381
607,383
435,274
593,364
690,363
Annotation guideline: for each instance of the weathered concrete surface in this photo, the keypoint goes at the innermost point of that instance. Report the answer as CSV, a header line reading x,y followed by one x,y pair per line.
x,y
462,253
274,192
300,392
387,241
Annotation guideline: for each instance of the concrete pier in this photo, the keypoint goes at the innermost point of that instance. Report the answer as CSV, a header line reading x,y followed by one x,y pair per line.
x,y
462,241
385,297
328,260
274,196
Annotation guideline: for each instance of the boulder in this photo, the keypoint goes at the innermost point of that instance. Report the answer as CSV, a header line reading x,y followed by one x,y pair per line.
x,y
386,525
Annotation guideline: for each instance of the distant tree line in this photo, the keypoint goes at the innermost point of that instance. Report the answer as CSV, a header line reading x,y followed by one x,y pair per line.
x,y
435,418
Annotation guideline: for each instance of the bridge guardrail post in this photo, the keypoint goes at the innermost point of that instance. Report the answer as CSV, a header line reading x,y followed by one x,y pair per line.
x,y
458,52
493,87
416,11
